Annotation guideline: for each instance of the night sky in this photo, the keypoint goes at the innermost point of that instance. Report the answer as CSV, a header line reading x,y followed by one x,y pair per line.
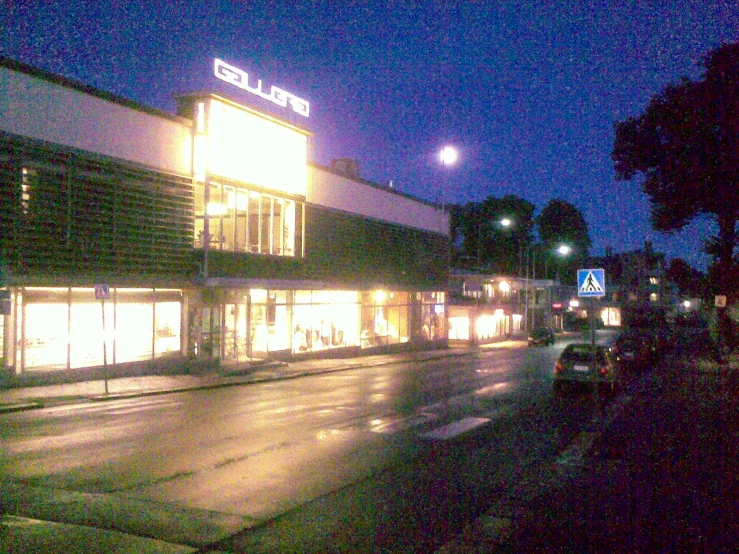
x,y
528,91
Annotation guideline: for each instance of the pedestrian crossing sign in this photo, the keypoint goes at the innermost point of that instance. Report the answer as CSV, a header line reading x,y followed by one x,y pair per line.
x,y
591,282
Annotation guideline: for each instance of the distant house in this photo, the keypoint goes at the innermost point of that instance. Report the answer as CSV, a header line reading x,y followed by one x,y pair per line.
x,y
487,308
636,284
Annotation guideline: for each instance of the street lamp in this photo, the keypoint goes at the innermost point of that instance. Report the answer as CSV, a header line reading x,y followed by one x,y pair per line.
x,y
448,155
507,222
563,250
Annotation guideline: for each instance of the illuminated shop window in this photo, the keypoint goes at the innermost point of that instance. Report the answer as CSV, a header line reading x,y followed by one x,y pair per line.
x,y
46,336
433,316
385,318
491,325
64,327
324,319
242,220
459,328
167,320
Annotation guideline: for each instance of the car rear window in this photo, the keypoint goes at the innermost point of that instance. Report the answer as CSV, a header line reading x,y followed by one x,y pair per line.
x,y
581,353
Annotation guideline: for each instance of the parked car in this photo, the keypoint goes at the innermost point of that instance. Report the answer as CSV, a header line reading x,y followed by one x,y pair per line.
x,y
635,351
575,365
541,335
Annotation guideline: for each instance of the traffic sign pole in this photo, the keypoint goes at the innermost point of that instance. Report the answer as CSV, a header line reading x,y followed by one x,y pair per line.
x,y
102,291
105,348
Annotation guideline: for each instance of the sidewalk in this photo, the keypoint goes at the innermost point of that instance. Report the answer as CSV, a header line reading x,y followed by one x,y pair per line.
x,y
661,478
28,398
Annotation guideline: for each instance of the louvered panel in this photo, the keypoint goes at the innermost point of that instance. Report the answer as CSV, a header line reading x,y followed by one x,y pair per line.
x,y
86,215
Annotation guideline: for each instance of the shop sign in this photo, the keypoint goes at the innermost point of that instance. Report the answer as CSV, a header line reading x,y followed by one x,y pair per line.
x,y
276,95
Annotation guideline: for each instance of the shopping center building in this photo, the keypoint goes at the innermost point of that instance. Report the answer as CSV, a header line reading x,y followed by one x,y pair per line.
x,y
138,238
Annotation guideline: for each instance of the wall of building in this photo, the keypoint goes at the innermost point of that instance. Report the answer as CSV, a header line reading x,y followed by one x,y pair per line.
x,y
69,216
44,109
338,192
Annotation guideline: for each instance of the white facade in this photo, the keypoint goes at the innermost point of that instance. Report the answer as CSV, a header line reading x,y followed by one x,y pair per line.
x,y
342,193
36,108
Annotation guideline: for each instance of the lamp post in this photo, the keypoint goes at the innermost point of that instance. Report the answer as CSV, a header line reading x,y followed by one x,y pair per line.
x,y
448,157
564,250
506,223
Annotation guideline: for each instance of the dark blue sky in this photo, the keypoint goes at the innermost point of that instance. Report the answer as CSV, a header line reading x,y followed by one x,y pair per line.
x,y
528,91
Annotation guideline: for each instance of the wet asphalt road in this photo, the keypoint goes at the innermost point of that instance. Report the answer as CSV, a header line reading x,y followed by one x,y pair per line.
x,y
361,460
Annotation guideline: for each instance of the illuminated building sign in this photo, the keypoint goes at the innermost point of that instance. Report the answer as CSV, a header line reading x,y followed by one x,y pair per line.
x,y
240,79
244,146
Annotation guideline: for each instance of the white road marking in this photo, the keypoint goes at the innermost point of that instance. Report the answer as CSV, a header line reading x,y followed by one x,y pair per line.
x,y
456,428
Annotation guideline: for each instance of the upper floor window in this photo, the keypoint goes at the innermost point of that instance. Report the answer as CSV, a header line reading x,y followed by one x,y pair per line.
x,y
27,176
243,220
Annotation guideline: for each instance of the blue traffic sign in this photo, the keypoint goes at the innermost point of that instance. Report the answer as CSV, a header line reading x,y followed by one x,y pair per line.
x,y
102,292
591,282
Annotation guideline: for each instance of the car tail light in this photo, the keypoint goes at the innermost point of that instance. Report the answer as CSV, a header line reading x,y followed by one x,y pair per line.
x,y
558,367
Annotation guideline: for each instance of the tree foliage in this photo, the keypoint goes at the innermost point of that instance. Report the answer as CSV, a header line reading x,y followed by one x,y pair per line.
x,y
689,281
483,242
686,147
561,223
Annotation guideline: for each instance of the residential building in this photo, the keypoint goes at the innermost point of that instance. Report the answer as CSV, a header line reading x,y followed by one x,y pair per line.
x,y
635,285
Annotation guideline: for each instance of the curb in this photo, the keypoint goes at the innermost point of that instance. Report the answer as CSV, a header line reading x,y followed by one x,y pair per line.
x,y
20,407
241,378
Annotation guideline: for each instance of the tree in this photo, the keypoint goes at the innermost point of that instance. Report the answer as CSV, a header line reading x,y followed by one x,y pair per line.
x,y
505,245
483,242
686,147
562,223
689,281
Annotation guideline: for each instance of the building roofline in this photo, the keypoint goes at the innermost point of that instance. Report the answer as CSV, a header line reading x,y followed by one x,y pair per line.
x,y
56,79
233,101
373,184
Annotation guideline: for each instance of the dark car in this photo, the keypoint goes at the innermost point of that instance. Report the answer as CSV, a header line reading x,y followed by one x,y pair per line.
x,y
635,351
541,335
576,365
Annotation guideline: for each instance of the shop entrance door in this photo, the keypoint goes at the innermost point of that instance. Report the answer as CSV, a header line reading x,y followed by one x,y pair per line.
x,y
235,339
259,326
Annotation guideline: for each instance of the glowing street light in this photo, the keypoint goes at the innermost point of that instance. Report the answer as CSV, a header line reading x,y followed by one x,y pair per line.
x,y
448,156
564,250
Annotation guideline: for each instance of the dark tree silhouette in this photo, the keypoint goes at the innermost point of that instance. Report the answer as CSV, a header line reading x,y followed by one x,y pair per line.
x,y
686,147
483,243
689,281
562,223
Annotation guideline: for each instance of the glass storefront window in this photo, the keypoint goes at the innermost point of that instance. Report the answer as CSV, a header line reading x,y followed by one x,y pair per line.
x,y
63,328
323,319
241,220
433,315
385,318
46,336
86,332
166,328
133,332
